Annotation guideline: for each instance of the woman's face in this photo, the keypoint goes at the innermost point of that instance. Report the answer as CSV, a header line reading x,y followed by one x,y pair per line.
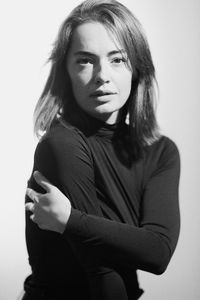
x,y
98,69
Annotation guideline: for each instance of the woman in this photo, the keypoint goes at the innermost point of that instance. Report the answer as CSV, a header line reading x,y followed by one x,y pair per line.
x,y
112,205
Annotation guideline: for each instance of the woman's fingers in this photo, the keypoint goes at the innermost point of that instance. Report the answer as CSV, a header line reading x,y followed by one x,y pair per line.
x,y
42,181
32,195
30,206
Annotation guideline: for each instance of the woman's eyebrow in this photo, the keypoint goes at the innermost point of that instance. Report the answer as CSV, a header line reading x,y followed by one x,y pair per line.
x,y
84,53
87,53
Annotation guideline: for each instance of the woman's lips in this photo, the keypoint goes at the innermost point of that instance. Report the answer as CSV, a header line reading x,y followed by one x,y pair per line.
x,y
101,93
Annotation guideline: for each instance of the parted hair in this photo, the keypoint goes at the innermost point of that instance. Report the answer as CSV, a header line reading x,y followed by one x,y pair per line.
x,y
141,105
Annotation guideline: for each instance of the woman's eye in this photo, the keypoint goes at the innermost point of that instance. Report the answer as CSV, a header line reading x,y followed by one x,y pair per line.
x,y
84,61
119,60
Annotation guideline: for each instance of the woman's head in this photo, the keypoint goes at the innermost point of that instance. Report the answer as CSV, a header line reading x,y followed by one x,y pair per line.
x,y
126,32
100,73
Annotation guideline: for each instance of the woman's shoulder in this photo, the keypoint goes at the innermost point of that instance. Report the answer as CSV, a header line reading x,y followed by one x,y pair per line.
x,y
163,146
63,132
162,154
62,150
64,137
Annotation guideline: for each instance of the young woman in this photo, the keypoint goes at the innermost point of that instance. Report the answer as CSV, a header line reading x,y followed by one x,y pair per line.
x,y
110,206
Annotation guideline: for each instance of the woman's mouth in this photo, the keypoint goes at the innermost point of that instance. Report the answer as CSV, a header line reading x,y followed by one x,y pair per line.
x,y
101,93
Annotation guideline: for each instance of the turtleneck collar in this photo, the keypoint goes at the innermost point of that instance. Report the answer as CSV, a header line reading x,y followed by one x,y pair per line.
x,y
92,126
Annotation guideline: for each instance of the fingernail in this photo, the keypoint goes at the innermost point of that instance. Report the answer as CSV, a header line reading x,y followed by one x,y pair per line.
x,y
35,173
27,191
26,207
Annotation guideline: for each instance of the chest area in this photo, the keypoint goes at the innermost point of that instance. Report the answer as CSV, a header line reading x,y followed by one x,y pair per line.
x,y
119,185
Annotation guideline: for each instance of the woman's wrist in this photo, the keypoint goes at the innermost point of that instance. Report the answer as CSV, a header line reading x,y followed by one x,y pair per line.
x,y
64,218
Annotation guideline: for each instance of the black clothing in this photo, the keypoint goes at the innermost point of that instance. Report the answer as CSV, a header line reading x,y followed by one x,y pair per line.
x,y
125,213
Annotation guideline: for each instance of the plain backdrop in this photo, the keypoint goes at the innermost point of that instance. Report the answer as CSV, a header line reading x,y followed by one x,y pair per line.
x,y
27,31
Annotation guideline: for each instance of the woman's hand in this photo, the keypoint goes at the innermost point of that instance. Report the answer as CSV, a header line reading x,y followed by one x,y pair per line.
x,y
51,210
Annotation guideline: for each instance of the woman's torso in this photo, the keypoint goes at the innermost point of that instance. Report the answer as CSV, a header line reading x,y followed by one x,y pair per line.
x,y
118,183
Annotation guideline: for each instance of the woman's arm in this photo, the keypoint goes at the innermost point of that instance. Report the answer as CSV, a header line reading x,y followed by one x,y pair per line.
x,y
63,157
150,246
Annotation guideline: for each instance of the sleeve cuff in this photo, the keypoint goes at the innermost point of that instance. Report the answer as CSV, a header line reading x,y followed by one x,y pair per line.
x,y
75,223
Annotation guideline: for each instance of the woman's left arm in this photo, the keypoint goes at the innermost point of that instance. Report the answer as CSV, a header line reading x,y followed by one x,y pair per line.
x,y
150,246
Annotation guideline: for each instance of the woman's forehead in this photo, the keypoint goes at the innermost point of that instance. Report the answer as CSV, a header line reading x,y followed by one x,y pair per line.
x,y
94,37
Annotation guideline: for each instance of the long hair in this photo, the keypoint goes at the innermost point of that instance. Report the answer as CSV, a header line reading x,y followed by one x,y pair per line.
x,y
140,107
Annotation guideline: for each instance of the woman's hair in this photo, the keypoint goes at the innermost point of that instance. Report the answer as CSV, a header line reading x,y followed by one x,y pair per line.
x,y
140,107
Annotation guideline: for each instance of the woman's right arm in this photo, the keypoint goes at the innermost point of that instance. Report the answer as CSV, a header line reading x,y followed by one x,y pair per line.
x,y
65,160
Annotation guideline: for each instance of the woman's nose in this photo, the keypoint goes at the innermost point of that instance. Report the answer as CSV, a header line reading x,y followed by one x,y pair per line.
x,y
102,73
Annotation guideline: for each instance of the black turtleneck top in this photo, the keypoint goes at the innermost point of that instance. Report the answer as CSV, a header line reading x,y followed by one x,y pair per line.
x,y
125,212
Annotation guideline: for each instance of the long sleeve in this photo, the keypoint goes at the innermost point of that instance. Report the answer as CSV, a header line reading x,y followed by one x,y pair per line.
x,y
150,245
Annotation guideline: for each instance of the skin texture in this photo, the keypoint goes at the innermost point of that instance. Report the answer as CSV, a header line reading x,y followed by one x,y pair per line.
x,y
97,62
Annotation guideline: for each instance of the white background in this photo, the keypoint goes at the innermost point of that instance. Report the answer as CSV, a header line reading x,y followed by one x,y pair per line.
x,y
27,31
